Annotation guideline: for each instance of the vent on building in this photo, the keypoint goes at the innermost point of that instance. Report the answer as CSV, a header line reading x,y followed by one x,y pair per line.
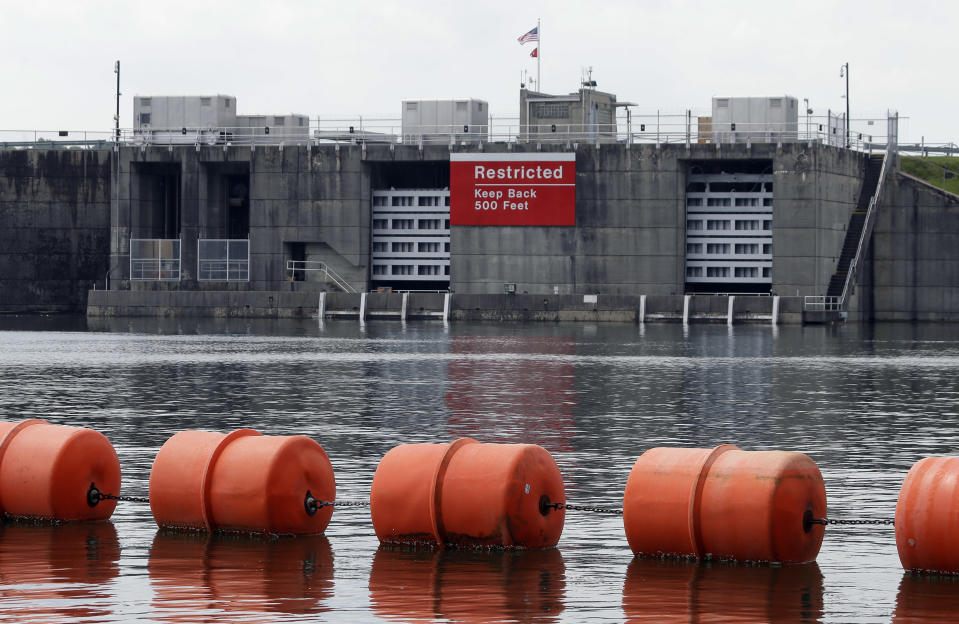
x,y
775,103
205,101
278,121
300,121
411,106
144,118
226,103
461,107
722,103
146,101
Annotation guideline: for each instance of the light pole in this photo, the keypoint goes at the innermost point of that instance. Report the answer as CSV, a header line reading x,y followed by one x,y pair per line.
x,y
844,71
116,118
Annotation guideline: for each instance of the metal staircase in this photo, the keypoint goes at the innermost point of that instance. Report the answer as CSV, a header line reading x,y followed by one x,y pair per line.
x,y
857,221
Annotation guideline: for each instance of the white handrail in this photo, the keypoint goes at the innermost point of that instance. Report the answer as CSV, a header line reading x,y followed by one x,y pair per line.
x,y
292,266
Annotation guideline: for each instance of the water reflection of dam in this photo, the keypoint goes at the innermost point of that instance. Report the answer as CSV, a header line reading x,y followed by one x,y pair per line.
x,y
468,585
512,389
675,591
239,574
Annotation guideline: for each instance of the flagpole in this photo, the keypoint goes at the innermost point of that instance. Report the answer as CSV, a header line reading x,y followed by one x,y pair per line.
x,y
539,55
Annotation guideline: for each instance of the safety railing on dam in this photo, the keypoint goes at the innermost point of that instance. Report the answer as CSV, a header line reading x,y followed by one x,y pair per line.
x,y
658,128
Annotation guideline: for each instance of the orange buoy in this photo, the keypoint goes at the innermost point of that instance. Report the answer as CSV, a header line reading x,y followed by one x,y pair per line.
x,y
725,502
467,493
927,516
242,481
48,471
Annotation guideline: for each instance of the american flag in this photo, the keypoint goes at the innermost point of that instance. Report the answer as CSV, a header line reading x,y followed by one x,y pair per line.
x,y
532,35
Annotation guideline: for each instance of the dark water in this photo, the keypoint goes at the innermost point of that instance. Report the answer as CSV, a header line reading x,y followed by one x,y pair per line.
x,y
864,402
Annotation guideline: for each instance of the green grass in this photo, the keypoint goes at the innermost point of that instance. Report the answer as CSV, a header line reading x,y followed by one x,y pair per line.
x,y
941,171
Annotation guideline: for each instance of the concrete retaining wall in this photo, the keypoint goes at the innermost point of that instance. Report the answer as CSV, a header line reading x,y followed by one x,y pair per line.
x,y
54,228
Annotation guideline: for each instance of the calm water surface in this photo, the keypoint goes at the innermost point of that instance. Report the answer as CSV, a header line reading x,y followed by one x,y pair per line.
x,y
864,402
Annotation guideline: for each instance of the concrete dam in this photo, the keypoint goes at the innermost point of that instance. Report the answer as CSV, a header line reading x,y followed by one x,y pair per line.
x,y
724,232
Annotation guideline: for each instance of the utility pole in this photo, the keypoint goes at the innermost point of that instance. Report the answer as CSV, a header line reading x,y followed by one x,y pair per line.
x,y
844,70
116,118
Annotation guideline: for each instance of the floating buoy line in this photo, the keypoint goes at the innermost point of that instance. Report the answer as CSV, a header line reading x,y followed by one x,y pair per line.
x,y
690,503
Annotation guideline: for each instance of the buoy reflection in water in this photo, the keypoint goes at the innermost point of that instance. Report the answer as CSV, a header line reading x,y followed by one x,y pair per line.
x,y
193,572
658,590
468,585
58,573
926,598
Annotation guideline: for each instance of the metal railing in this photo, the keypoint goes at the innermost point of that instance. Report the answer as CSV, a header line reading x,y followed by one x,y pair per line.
x,y
223,259
818,303
301,267
854,265
155,259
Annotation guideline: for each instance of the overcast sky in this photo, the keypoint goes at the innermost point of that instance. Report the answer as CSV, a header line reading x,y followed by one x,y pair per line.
x,y
355,57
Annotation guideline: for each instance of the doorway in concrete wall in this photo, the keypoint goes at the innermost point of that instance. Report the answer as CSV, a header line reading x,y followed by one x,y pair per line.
x,y
296,261
238,206
156,200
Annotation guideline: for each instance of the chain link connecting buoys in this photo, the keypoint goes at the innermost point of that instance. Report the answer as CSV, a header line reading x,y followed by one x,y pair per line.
x,y
47,471
469,494
725,503
927,516
242,481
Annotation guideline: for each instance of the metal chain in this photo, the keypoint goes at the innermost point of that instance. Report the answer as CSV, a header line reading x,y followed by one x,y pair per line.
x,y
834,521
129,499
603,510
359,503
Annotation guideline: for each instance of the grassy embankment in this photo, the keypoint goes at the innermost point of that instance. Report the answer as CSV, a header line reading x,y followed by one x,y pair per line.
x,y
941,171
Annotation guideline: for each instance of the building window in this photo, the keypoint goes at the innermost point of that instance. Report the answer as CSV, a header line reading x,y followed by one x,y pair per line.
x,y
402,247
717,248
428,247
552,110
694,271
747,201
694,248
144,118
717,271
402,269
446,247
379,246
747,248
767,249
446,270
746,272
446,225
694,201
717,224
446,201
717,201
767,201
379,269
426,200
379,201
380,224
747,224
402,224
429,224
427,269
402,200
766,271
767,224
694,224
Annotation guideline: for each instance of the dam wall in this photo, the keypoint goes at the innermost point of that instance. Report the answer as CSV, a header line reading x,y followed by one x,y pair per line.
x,y
54,228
